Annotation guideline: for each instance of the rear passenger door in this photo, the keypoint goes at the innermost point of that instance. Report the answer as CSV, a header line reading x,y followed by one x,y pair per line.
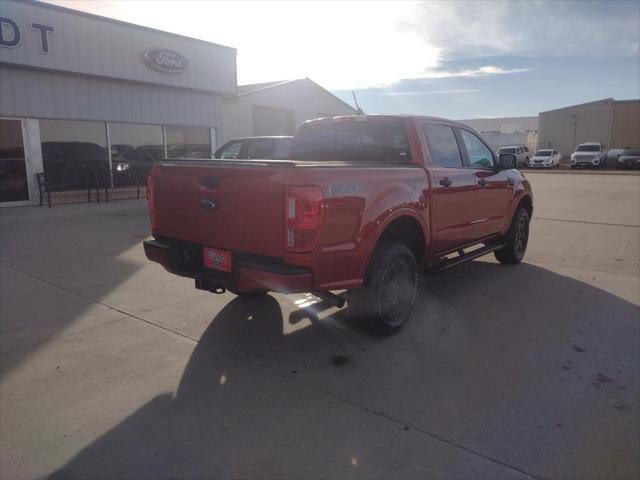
x,y
453,188
493,188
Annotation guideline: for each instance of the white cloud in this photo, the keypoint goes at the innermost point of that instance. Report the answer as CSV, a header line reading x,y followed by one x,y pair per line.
x,y
529,28
430,92
475,72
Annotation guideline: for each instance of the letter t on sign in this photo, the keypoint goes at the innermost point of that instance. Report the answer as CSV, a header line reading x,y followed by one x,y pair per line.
x,y
44,40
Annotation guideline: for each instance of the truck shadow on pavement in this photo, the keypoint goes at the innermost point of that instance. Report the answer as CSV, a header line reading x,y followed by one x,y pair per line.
x,y
520,364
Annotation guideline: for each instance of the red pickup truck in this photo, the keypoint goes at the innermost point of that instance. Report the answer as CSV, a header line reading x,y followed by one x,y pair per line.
x,y
362,202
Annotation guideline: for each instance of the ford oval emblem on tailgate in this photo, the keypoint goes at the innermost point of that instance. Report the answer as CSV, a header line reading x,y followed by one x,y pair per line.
x,y
208,205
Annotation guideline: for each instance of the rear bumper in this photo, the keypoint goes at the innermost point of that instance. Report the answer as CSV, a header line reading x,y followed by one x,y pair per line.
x,y
250,273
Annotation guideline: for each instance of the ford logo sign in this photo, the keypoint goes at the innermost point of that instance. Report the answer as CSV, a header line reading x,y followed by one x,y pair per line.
x,y
208,205
165,60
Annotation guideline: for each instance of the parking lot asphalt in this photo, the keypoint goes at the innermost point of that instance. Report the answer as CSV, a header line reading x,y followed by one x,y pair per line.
x,y
112,368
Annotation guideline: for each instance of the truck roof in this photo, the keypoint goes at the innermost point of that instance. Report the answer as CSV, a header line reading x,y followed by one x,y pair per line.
x,y
260,136
382,117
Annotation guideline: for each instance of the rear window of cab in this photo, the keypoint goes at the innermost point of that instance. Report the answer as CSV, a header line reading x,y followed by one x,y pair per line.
x,y
353,141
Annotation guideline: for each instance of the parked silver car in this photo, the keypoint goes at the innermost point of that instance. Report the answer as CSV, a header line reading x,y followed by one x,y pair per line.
x,y
629,158
545,158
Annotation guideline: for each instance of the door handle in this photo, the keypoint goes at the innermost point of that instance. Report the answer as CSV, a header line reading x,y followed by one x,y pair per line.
x,y
482,182
445,182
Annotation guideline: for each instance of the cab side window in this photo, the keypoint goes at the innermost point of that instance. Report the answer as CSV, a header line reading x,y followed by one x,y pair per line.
x,y
260,148
479,154
443,145
231,150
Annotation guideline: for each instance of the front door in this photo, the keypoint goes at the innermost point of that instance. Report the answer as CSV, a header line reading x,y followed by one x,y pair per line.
x,y
13,166
493,189
453,188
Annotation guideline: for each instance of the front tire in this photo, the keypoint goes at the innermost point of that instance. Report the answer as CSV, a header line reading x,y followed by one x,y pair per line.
x,y
516,239
385,302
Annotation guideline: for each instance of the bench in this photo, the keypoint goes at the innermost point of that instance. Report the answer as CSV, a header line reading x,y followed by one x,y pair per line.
x,y
63,182
83,180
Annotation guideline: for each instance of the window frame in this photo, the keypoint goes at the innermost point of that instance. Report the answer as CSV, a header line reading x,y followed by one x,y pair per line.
x,y
465,153
428,144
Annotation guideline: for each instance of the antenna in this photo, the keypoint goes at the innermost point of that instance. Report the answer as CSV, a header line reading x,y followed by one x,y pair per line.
x,y
360,111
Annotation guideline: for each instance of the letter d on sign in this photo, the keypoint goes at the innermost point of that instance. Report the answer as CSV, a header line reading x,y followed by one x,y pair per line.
x,y
9,33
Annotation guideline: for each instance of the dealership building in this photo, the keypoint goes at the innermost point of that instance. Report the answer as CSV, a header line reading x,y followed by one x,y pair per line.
x,y
614,123
78,85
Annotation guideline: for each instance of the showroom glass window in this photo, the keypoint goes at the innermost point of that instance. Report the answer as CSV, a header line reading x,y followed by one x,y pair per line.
x,y
13,169
134,150
188,142
73,150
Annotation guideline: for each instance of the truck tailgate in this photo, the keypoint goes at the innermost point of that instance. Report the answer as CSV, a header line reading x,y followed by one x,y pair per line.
x,y
246,208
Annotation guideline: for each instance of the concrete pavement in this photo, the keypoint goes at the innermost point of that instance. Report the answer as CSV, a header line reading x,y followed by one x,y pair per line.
x,y
112,368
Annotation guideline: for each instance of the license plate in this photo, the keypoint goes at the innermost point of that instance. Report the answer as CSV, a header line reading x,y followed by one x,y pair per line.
x,y
217,259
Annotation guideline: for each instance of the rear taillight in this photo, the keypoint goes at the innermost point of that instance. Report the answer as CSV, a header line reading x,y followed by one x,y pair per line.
x,y
303,216
151,202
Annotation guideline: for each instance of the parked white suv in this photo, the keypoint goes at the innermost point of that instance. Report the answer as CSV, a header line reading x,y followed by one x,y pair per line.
x,y
591,154
521,152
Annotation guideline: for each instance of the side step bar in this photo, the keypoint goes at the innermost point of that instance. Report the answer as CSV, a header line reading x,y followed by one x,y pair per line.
x,y
443,264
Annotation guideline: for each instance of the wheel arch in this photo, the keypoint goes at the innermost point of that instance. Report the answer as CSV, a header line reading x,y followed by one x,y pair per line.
x,y
405,226
526,202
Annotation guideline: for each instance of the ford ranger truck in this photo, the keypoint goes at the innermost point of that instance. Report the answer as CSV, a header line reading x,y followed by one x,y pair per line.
x,y
361,203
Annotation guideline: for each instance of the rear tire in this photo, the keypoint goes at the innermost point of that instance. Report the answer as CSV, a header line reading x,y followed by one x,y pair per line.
x,y
385,302
516,239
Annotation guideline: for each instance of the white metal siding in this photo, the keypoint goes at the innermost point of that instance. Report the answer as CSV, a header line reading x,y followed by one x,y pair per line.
x,y
32,93
94,46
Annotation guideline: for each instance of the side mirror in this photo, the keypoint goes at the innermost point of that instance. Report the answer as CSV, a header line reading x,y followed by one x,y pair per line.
x,y
506,161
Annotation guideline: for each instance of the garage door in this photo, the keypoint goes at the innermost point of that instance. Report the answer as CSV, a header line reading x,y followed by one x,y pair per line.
x,y
273,121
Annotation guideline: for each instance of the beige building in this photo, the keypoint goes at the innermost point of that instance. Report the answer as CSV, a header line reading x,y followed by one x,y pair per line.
x,y
506,131
625,124
614,123
278,108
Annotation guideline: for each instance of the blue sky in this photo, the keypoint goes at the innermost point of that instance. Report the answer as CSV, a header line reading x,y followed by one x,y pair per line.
x,y
455,59
550,83
545,55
